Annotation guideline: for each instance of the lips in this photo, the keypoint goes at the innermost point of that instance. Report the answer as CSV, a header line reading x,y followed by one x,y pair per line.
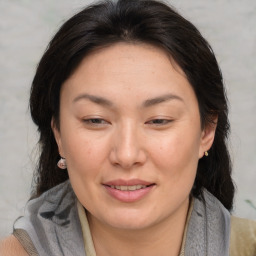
x,y
128,190
131,182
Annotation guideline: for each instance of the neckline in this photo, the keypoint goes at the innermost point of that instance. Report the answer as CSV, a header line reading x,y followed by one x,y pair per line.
x,y
87,236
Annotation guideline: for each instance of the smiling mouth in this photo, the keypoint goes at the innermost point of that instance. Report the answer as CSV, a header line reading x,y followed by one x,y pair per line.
x,y
130,188
128,193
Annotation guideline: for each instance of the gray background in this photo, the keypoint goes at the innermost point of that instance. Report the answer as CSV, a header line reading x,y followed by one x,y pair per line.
x,y
26,27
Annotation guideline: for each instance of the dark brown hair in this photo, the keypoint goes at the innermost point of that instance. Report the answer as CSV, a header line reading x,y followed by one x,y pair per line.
x,y
143,21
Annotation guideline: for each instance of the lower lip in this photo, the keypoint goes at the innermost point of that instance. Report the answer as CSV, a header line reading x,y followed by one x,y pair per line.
x,y
129,196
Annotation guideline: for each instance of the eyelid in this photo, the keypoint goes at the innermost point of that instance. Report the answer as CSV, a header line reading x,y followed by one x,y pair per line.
x,y
163,121
98,121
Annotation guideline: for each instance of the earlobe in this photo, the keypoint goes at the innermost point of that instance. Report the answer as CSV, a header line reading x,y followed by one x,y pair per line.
x,y
57,136
207,138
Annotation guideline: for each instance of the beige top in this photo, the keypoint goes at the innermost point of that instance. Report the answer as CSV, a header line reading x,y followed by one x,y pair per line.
x,y
242,237
88,243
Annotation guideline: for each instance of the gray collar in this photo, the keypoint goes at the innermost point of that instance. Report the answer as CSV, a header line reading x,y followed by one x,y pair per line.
x,y
54,227
208,228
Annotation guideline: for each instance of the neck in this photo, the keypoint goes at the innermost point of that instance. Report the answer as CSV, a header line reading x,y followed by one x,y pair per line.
x,y
163,238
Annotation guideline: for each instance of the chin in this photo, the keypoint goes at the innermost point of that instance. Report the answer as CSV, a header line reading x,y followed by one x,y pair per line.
x,y
131,221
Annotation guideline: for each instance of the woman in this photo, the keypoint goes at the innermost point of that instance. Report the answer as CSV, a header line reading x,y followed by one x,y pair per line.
x,y
130,104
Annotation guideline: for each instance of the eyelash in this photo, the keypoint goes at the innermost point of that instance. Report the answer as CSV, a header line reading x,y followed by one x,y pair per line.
x,y
159,122
95,121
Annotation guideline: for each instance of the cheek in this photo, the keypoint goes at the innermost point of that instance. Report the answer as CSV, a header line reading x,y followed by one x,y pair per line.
x,y
177,157
175,149
83,154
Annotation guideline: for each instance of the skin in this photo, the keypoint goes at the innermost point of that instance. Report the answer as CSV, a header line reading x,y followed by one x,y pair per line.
x,y
129,112
125,137
11,247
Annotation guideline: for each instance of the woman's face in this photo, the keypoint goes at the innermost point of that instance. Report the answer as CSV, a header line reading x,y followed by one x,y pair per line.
x,y
131,135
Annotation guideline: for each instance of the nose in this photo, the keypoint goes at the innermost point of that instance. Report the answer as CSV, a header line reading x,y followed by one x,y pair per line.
x,y
127,148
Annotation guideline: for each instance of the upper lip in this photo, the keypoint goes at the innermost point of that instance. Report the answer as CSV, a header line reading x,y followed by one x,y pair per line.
x,y
131,182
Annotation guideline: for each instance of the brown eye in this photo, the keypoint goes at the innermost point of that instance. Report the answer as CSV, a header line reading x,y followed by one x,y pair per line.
x,y
159,121
95,121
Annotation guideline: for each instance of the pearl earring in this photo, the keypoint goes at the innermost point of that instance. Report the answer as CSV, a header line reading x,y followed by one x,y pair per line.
x,y
62,163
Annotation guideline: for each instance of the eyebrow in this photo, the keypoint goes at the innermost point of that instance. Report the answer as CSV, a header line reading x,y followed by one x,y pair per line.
x,y
147,103
96,99
161,99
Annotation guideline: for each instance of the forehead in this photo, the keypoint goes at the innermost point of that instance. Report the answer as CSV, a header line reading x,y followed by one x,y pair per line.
x,y
137,56
130,69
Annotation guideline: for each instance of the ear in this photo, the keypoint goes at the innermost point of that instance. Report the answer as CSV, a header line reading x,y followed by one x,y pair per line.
x,y
207,136
57,136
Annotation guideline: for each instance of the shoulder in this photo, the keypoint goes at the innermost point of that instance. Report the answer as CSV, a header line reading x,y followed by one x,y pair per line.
x,y
243,236
243,226
10,246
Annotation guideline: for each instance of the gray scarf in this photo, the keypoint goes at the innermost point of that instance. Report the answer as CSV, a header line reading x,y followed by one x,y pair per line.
x,y
53,225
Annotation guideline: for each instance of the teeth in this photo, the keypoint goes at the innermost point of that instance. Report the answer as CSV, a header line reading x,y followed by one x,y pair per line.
x,y
129,188
140,186
132,188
